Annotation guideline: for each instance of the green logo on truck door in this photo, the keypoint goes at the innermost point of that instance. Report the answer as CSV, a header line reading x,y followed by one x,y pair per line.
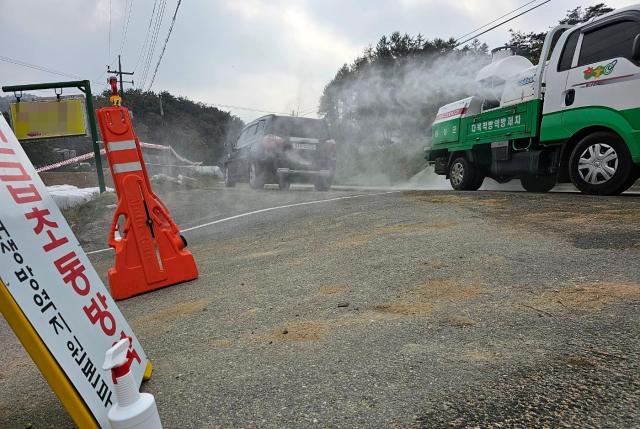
x,y
596,72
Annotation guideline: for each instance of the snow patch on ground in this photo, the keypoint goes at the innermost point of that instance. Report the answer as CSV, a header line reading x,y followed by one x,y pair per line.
x,y
67,196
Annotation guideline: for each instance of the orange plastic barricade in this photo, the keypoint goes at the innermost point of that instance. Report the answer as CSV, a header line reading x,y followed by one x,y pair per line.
x,y
150,252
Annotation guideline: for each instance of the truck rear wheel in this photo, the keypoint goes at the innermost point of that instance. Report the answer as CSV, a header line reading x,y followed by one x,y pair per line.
x,y
601,164
464,176
538,183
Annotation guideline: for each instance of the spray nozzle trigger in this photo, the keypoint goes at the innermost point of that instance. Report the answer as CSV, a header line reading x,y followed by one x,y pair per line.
x,y
117,355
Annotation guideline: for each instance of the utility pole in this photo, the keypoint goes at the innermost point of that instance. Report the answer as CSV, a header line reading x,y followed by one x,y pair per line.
x,y
119,73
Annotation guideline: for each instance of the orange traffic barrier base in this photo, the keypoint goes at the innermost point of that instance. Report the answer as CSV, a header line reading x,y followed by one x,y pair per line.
x,y
149,250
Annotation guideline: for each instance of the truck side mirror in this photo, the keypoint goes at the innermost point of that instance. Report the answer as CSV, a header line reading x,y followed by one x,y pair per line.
x,y
635,51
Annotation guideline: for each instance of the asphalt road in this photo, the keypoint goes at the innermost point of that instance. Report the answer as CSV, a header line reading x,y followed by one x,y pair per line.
x,y
406,309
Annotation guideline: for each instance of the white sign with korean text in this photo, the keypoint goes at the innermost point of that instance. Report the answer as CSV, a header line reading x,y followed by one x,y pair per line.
x,y
54,284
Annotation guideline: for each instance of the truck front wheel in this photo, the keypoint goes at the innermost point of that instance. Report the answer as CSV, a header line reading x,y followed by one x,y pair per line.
x,y
464,176
538,183
601,164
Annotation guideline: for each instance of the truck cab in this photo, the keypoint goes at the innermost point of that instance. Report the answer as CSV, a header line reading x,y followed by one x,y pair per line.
x,y
574,117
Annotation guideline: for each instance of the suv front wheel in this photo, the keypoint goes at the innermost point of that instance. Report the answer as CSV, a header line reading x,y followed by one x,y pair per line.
x,y
256,175
601,164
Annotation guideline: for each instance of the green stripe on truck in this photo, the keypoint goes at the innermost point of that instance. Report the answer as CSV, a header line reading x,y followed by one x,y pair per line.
x,y
562,125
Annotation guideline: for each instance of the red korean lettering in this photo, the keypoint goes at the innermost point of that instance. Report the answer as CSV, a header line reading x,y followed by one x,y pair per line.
x,y
54,242
95,313
24,195
73,271
41,219
40,216
19,174
4,150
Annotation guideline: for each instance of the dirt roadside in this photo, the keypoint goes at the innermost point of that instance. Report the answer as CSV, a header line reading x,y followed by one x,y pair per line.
x,y
423,309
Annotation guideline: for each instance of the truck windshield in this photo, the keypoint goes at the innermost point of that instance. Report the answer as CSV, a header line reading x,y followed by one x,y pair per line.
x,y
301,127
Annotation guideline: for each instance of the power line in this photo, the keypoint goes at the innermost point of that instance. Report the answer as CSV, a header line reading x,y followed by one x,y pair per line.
x,y
165,44
109,56
250,109
104,73
44,69
307,112
502,23
497,19
126,25
146,37
37,67
154,38
155,15
147,53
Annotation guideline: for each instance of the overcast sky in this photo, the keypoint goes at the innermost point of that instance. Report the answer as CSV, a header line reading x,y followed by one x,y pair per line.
x,y
273,55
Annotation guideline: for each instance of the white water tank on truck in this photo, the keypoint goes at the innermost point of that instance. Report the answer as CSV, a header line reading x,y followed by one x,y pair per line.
x,y
501,73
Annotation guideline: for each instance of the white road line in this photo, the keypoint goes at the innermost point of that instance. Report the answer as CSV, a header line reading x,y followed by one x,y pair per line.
x,y
93,252
269,209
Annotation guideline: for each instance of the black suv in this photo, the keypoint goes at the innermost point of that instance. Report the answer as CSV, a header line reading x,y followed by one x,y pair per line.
x,y
281,149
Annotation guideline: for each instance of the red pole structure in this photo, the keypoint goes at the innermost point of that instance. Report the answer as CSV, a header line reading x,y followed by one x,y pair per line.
x,y
115,99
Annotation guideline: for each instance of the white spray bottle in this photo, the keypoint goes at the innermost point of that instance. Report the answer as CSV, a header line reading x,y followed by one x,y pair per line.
x,y
133,410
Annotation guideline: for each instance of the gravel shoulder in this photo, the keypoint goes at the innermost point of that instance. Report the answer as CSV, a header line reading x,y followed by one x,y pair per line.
x,y
411,309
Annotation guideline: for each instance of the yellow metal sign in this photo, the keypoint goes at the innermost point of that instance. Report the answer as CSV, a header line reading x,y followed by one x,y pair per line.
x,y
47,118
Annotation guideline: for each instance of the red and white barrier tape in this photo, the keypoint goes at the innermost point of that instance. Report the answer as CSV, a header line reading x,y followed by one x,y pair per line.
x,y
69,161
90,155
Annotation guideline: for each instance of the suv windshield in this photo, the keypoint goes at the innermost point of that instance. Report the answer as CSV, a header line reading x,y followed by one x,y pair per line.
x,y
300,127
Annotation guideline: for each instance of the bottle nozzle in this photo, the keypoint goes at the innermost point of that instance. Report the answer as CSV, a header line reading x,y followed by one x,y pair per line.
x,y
118,360
117,355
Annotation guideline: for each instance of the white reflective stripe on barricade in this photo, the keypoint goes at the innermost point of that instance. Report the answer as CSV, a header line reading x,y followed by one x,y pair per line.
x,y
126,167
121,145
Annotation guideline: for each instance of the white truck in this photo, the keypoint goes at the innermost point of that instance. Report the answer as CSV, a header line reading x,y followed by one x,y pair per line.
x,y
575,117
